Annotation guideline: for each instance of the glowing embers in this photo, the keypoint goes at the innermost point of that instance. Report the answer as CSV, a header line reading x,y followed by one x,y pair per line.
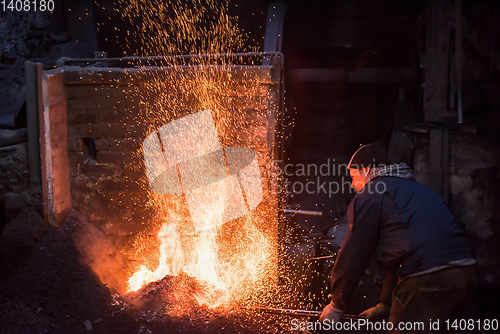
x,y
193,162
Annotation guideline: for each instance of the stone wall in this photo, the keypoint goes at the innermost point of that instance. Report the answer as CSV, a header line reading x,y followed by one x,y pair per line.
x,y
108,115
473,176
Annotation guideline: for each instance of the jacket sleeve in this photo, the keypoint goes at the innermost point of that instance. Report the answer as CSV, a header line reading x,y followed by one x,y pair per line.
x,y
393,245
390,282
357,248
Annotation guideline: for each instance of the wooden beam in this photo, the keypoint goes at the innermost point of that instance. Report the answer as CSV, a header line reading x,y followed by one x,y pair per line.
x,y
34,103
53,147
134,76
479,43
354,75
436,61
439,161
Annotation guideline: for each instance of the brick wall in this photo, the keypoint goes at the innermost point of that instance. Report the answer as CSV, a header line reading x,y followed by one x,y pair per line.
x,y
110,111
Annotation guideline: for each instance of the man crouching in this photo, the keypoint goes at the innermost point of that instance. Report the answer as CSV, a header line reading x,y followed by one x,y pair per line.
x,y
408,229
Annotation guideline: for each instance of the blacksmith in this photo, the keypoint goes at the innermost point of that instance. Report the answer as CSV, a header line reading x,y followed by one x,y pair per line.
x,y
408,229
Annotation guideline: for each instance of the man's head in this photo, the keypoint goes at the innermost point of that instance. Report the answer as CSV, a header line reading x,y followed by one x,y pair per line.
x,y
363,160
359,177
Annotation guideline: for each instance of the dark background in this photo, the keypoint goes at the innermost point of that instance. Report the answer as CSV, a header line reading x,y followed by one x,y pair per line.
x,y
324,119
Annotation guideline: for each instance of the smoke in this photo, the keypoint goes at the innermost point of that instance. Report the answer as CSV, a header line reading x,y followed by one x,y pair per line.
x,y
98,253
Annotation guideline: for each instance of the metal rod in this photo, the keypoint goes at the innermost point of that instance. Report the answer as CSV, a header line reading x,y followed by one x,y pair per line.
x,y
63,60
459,57
305,212
305,313
318,258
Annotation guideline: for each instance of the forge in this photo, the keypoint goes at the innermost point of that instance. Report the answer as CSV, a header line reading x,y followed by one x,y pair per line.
x,y
150,168
173,163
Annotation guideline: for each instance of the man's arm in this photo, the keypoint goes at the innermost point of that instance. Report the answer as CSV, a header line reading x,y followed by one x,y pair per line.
x,y
357,248
390,281
382,309
393,247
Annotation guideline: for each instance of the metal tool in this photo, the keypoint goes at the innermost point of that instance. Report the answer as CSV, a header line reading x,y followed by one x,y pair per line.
x,y
305,212
318,258
303,313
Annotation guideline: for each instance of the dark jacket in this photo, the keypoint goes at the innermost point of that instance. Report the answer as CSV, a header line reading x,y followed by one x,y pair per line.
x,y
404,225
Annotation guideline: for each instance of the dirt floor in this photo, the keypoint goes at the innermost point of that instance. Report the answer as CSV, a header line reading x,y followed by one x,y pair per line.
x,y
51,281
54,290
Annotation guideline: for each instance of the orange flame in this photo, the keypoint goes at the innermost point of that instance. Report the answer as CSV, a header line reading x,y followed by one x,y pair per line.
x,y
232,261
235,261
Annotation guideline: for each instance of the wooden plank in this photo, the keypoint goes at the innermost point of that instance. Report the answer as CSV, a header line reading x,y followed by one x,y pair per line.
x,y
34,106
481,45
439,161
436,61
74,92
445,163
57,195
349,75
435,160
401,145
133,76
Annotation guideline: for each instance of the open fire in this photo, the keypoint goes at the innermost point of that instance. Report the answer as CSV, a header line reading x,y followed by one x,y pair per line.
x,y
196,237
229,268
211,224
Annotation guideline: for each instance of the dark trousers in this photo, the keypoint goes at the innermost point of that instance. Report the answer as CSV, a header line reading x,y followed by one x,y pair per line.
x,y
430,298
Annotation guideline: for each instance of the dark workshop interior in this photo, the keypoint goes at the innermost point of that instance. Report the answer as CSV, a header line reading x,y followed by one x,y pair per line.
x,y
301,85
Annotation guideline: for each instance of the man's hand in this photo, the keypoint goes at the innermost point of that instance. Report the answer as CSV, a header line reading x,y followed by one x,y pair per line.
x,y
331,313
378,312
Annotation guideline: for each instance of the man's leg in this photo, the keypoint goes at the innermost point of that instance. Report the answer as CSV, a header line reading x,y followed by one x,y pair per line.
x,y
422,303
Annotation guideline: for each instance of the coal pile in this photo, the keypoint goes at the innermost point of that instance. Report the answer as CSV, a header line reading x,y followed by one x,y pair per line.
x,y
56,289
170,296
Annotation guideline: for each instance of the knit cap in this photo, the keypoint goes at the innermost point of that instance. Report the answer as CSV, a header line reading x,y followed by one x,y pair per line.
x,y
370,155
